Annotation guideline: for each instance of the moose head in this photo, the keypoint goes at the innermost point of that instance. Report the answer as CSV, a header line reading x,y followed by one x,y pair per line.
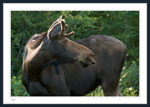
x,y
63,48
54,45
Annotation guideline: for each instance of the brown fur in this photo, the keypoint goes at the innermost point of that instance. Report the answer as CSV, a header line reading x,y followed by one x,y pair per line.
x,y
35,44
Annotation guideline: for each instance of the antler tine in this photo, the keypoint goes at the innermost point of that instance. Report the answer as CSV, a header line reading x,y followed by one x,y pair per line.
x,y
71,33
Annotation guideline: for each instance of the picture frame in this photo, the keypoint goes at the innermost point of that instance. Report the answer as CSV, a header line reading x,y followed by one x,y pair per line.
x,y
2,61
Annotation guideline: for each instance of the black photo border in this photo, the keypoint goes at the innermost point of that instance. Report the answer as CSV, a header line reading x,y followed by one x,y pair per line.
x,y
74,1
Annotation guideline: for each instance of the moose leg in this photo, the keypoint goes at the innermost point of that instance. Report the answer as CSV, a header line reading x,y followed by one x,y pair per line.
x,y
36,89
111,88
108,91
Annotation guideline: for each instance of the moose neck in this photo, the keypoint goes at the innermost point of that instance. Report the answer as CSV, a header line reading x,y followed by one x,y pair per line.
x,y
54,63
37,58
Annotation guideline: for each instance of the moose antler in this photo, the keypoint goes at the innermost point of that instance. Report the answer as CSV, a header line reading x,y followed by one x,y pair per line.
x,y
69,34
59,28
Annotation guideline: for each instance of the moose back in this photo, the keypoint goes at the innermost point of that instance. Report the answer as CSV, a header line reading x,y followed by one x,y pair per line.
x,y
53,65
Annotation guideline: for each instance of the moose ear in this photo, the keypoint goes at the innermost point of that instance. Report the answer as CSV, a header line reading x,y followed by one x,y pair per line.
x,y
54,28
54,32
60,18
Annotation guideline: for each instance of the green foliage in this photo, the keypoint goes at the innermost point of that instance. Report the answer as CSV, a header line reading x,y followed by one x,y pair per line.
x,y
16,87
130,80
123,25
129,92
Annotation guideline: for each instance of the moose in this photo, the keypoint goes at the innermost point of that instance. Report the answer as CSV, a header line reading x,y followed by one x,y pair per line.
x,y
54,65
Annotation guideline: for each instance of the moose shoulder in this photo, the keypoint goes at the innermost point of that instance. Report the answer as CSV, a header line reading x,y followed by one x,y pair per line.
x,y
82,65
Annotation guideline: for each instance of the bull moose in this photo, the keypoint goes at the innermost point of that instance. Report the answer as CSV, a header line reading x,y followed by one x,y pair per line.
x,y
53,65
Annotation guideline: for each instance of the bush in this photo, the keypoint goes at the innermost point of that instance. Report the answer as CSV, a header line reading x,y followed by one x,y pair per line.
x,y
17,88
129,81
